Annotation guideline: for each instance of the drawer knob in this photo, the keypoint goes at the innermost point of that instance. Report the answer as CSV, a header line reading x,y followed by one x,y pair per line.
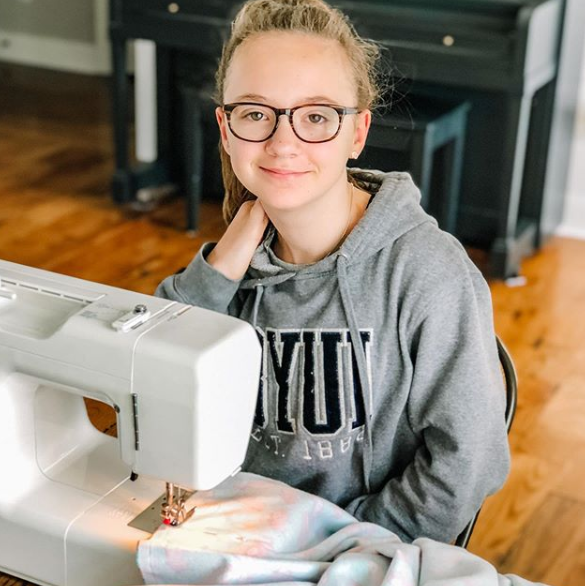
x,y
173,8
448,41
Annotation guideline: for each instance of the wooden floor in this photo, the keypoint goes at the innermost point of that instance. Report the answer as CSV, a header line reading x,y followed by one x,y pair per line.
x,y
56,213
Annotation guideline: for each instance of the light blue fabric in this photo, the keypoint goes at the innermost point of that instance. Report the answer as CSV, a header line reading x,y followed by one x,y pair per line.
x,y
252,530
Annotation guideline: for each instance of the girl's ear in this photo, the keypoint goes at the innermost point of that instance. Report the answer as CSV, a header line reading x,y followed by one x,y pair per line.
x,y
223,128
362,127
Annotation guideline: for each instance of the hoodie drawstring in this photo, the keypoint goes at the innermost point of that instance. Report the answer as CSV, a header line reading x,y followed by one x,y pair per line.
x,y
361,363
259,289
356,342
259,286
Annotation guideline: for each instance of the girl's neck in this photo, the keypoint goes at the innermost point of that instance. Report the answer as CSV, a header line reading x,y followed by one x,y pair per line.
x,y
309,235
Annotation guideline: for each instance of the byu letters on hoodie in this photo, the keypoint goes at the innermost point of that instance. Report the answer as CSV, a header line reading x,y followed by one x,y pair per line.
x,y
381,389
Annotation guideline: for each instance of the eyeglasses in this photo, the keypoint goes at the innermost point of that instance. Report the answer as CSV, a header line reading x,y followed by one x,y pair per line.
x,y
310,122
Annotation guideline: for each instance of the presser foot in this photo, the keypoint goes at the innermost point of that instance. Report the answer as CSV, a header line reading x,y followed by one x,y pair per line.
x,y
174,512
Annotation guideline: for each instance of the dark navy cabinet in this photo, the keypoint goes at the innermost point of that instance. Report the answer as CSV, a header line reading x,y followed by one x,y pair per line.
x,y
508,59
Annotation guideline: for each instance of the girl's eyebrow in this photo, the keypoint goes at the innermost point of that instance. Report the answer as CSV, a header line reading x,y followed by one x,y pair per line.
x,y
250,98
306,100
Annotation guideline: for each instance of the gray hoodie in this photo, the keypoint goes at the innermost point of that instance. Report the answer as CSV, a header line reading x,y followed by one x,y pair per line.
x,y
381,388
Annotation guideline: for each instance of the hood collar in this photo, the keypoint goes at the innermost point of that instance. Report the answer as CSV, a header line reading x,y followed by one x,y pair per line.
x,y
393,211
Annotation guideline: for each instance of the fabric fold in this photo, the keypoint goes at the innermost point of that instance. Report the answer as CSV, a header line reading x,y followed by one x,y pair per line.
x,y
253,530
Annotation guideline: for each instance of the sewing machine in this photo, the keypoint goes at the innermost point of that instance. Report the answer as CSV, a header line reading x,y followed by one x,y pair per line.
x,y
183,382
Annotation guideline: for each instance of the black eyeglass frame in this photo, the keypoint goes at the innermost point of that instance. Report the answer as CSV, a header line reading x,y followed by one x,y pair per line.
x,y
289,112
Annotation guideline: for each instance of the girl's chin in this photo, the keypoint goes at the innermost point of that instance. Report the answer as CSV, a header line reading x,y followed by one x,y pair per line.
x,y
283,199
276,205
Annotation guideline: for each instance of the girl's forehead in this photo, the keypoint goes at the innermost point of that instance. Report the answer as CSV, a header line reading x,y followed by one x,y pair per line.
x,y
284,66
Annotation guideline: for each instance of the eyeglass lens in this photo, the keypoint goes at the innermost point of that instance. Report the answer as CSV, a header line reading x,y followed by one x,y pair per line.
x,y
311,123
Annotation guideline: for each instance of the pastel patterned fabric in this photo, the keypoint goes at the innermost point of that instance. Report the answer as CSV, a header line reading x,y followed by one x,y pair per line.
x,y
253,530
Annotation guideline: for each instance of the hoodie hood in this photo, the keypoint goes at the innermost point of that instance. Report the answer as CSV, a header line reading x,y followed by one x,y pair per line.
x,y
393,211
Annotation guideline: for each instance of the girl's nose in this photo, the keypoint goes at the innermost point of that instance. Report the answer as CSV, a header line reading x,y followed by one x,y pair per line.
x,y
284,140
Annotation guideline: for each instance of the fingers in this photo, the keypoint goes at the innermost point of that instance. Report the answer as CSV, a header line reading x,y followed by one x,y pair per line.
x,y
233,253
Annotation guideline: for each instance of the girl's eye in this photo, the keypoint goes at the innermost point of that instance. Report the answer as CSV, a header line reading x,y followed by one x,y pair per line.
x,y
316,118
255,116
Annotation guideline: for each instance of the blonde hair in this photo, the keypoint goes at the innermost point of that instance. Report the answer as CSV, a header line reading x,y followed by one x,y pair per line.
x,y
308,16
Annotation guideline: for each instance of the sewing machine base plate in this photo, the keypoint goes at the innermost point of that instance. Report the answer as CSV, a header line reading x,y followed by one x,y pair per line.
x,y
149,520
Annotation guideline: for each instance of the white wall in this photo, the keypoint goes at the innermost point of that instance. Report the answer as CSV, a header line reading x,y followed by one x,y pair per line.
x,y
573,224
68,35
62,19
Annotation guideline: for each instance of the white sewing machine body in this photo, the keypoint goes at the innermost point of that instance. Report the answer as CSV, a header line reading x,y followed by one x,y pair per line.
x,y
183,382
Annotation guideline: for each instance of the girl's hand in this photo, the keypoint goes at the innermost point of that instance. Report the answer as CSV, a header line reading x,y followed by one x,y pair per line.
x,y
233,253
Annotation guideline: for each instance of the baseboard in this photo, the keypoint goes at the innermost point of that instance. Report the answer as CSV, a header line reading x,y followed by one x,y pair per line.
x,y
573,225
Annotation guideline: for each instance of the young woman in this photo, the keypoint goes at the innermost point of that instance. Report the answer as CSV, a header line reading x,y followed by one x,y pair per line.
x,y
380,388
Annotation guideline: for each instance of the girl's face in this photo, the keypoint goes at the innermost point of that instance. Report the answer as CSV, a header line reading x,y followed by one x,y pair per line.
x,y
284,70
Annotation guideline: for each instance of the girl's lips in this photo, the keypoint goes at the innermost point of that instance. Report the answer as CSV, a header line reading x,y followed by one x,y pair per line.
x,y
283,172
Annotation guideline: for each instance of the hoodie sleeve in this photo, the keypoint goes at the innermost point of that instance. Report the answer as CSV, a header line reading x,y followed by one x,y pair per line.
x,y
200,284
456,408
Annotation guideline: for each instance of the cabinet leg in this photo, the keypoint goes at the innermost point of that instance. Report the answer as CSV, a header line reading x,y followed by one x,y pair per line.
x,y
510,243
122,181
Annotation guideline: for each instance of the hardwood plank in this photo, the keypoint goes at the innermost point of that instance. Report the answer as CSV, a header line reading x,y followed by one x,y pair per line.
x,y
505,515
537,557
560,425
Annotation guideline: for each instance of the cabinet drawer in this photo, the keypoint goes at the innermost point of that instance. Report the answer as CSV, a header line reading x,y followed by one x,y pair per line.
x,y
483,43
203,24
179,10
